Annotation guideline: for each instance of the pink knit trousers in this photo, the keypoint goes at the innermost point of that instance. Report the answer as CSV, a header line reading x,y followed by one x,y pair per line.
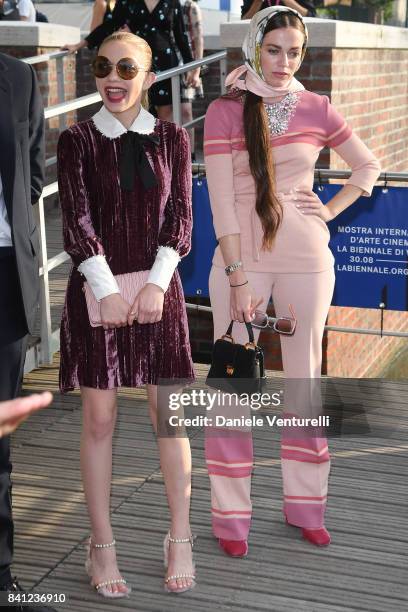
x,y
305,458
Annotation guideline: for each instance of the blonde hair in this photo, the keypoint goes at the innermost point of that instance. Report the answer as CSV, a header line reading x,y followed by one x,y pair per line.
x,y
141,46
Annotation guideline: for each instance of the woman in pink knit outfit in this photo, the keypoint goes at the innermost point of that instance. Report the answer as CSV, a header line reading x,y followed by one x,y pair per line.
x,y
262,141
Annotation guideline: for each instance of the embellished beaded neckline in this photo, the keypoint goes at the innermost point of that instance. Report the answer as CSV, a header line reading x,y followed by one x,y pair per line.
x,y
280,113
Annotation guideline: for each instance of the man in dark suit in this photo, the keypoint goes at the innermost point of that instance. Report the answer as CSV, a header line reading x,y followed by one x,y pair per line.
x,y
21,182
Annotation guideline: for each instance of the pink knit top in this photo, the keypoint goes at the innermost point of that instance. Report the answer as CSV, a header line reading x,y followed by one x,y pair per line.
x,y
301,243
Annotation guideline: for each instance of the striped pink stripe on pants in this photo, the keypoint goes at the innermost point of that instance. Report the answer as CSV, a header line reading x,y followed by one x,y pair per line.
x,y
305,458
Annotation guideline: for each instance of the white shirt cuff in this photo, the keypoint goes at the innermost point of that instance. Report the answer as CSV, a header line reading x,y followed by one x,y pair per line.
x,y
163,268
99,276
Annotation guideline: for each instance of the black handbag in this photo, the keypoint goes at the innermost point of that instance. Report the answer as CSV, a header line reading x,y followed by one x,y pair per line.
x,y
237,368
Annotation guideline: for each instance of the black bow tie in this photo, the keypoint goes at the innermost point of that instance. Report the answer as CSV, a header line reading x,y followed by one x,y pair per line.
x,y
133,157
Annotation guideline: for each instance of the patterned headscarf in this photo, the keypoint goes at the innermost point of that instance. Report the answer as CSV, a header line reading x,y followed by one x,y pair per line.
x,y
250,76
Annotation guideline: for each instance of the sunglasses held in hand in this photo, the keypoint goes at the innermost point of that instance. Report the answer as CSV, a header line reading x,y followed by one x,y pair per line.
x,y
282,325
126,68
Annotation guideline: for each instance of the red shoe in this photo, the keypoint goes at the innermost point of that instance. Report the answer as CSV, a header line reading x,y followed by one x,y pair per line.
x,y
234,548
319,537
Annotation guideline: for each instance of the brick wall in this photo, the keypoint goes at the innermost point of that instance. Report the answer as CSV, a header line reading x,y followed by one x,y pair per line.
x,y
85,82
201,331
356,355
368,90
212,88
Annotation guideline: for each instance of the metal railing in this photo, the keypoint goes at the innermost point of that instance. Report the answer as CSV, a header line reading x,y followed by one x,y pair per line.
x,y
323,174
42,352
335,328
58,56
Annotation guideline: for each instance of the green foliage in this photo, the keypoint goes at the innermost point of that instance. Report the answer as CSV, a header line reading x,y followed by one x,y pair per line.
x,y
328,12
384,6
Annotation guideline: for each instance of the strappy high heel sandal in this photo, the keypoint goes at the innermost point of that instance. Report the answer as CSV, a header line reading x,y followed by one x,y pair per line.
x,y
166,547
102,587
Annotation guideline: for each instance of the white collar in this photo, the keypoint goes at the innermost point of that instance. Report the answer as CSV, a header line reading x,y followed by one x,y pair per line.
x,y
111,127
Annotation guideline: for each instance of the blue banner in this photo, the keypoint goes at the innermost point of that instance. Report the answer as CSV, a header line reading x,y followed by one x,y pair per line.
x,y
369,242
195,268
225,5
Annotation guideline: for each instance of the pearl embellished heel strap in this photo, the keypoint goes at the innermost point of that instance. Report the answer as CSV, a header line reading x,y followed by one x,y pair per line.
x,y
102,588
166,546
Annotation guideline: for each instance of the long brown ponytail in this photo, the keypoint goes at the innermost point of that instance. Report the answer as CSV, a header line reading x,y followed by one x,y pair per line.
x,y
257,136
257,139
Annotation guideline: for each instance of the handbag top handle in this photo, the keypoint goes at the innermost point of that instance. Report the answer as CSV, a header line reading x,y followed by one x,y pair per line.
x,y
249,330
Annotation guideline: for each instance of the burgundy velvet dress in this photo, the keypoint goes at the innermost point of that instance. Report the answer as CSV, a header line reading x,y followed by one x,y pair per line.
x,y
100,218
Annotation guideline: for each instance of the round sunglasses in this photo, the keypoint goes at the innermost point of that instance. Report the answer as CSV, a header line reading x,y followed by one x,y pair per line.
x,y
126,68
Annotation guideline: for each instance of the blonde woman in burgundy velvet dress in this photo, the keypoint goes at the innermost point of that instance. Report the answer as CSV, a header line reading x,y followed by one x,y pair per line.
x,y
262,141
125,190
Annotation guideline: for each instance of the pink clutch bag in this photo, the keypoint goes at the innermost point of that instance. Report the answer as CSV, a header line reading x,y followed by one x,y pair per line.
x,y
129,286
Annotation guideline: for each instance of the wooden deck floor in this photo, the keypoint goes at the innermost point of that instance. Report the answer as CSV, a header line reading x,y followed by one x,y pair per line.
x,y
364,569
